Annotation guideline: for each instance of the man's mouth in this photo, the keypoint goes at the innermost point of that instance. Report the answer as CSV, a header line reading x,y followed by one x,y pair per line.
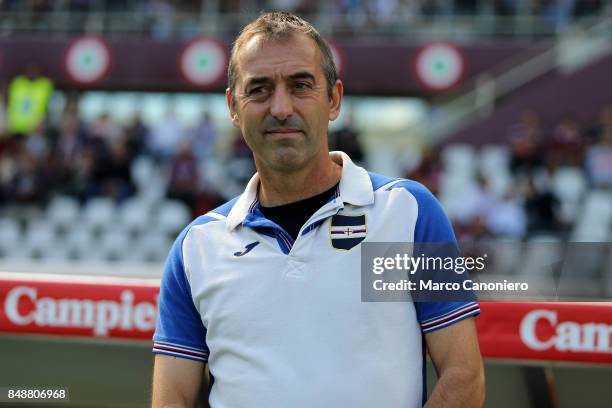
x,y
283,132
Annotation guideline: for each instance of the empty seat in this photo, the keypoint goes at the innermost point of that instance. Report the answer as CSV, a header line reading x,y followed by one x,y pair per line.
x,y
114,244
40,237
10,235
62,211
598,206
589,230
80,241
172,216
494,158
499,182
99,211
569,184
153,192
56,252
542,257
135,214
150,247
459,158
142,171
505,258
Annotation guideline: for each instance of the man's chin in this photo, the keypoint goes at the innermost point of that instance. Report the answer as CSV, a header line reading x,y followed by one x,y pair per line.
x,y
286,159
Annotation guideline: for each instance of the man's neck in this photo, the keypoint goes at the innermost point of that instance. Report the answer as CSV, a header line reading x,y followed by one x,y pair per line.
x,y
283,188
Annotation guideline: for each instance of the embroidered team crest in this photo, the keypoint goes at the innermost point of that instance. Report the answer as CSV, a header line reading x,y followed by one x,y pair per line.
x,y
347,230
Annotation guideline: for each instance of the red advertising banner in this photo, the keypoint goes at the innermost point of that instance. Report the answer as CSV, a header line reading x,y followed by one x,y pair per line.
x,y
78,306
580,332
127,308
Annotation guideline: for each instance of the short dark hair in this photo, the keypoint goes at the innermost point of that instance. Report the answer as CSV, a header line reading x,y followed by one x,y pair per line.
x,y
281,25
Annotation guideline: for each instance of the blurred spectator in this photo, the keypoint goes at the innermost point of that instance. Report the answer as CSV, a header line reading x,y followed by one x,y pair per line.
x,y
29,184
567,144
8,168
113,172
476,202
81,183
429,171
346,139
207,200
160,16
166,136
105,129
354,13
137,137
37,143
382,12
604,123
285,5
28,98
240,148
599,160
205,137
2,116
184,178
526,143
559,12
507,218
67,150
584,8
543,210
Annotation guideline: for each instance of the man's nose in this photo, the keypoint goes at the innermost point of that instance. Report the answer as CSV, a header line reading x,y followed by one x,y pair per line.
x,y
281,104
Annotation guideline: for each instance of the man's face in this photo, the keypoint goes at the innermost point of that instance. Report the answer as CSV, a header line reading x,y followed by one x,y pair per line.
x,y
280,102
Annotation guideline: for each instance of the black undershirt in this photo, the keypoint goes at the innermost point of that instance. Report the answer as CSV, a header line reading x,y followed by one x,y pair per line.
x,y
291,217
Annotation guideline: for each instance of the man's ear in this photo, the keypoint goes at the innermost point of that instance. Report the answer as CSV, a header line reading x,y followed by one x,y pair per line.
x,y
335,101
231,105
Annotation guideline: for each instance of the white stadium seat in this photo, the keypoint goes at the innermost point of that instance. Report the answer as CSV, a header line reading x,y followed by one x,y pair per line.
x,y
541,257
62,211
40,238
506,257
99,212
172,216
114,243
10,236
80,240
589,230
135,214
569,185
598,206
459,158
494,158
150,247
142,171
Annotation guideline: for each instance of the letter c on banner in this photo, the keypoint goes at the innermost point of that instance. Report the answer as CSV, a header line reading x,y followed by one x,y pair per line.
x,y
528,329
12,305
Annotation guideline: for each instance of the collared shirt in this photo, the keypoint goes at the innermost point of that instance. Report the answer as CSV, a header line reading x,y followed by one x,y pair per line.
x,y
281,322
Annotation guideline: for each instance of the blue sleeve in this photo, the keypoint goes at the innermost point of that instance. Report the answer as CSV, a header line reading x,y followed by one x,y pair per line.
x,y
179,331
433,226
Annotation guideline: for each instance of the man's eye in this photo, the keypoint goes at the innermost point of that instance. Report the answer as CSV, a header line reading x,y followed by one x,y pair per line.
x,y
260,90
302,86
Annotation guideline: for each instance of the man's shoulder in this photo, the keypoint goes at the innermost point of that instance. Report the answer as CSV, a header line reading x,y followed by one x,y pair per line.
x,y
222,211
218,214
385,183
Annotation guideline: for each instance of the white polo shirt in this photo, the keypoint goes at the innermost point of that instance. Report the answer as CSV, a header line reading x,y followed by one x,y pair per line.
x,y
281,322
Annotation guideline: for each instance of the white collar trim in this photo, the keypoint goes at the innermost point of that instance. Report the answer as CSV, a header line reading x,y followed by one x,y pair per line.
x,y
355,188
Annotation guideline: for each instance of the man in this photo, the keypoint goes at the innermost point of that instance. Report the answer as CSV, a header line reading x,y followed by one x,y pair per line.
x,y
260,291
